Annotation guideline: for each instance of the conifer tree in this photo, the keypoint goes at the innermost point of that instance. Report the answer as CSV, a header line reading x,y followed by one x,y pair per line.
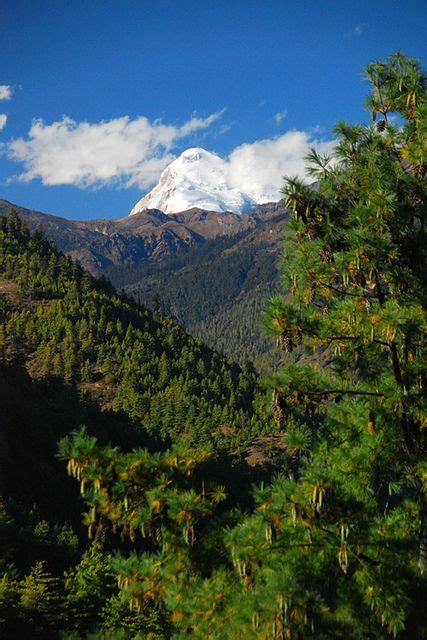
x,y
354,268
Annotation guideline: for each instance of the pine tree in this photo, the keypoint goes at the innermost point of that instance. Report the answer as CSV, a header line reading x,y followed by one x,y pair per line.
x,y
88,587
40,602
354,268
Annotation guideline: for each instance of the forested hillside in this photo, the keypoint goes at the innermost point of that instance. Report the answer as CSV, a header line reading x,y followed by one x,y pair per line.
x,y
75,352
77,328
217,290
212,272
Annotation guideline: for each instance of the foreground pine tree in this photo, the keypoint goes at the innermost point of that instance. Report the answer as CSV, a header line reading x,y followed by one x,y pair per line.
x,y
335,546
354,269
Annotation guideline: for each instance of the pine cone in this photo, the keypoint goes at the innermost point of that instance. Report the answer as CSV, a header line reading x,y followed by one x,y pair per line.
x,y
381,125
101,532
311,408
312,229
298,337
325,309
326,255
286,341
371,422
278,410
367,305
311,294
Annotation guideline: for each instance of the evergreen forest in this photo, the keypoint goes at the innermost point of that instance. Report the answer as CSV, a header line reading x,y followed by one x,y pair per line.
x,y
217,291
151,488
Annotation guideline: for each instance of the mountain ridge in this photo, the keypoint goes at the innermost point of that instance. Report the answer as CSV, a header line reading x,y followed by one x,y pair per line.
x,y
148,235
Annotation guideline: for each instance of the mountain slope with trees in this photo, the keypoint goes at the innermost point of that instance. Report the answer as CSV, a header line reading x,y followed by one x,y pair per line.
x,y
117,352
212,272
75,352
217,290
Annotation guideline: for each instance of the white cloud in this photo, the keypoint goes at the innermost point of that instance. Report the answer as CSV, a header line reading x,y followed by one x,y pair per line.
x,y
258,168
128,152
199,123
225,128
5,92
280,115
120,151
3,120
356,31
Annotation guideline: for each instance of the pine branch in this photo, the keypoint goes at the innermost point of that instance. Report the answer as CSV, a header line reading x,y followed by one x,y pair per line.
x,y
347,392
382,342
345,293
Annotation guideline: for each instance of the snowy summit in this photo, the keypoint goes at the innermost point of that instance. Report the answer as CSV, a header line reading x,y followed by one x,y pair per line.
x,y
198,178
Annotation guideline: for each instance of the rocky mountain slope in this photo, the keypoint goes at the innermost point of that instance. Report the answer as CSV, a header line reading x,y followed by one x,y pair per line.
x,y
148,235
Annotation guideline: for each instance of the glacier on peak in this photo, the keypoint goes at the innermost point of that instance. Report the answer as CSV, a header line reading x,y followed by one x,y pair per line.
x,y
197,178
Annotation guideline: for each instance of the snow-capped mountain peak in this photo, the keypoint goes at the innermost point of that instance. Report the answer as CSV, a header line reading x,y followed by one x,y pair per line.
x,y
197,178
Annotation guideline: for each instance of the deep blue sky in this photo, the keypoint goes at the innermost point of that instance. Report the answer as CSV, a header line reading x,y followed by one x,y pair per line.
x,y
99,60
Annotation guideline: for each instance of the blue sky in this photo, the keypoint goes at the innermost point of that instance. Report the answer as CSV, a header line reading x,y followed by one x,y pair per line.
x,y
104,94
